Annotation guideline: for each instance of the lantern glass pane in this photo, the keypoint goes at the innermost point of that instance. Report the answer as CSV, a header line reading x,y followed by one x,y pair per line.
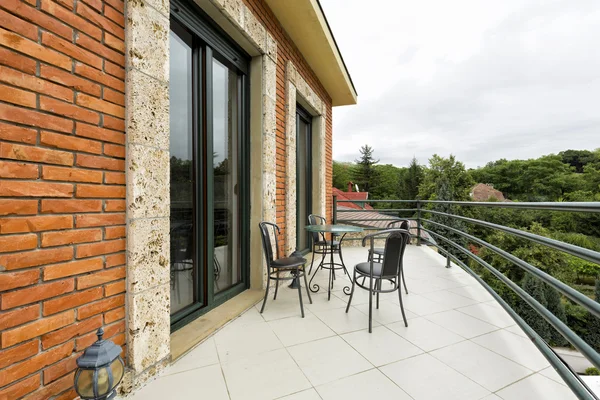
x,y
103,383
85,383
117,370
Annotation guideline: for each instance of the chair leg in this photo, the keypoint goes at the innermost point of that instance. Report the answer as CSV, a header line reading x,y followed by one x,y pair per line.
x,y
341,257
403,280
312,261
276,286
378,286
306,285
266,295
371,304
401,305
300,293
351,292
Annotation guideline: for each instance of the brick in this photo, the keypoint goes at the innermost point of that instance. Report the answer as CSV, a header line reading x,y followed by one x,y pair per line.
x,y
18,353
35,50
114,150
114,70
19,316
85,341
38,18
110,205
19,207
21,388
69,80
99,76
24,368
99,278
18,170
37,328
14,133
98,307
70,49
115,178
115,16
114,123
114,232
68,110
119,340
35,189
116,4
68,17
96,249
114,315
114,288
70,143
71,237
72,268
15,60
69,301
17,25
69,332
98,162
114,42
100,105
97,4
71,174
36,293
114,260
114,329
67,395
89,191
94,132
35,223
35,258
97,19
26,81
15,280
35,118
100,49
64,384
35,154
65,3
70,206
114,96
17,243
59,369
17,96
90,220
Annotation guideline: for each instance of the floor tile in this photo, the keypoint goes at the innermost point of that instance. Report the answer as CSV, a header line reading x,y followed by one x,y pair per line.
x,y
425,334
250,316
361,296
371,384
264,376
461,324
291,331
382,346
536,387
388,312
286,305
234,343
475,292
327,360
450,299
310,394
490,314
209,379
425,378
514,347
516,330
552,374
483,366
420,305
491,397
201,356
320,302
342,322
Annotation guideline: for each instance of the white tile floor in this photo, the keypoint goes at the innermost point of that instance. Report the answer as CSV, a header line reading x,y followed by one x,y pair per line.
x,y
459,344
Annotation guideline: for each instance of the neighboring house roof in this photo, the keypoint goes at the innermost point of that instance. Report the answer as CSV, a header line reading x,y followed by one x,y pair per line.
x,y
485,192
352,196
306,24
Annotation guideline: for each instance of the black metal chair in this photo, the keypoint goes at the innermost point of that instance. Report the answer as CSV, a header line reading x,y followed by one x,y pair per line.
x,y
377,252
277,265
390,268
182,253
320,244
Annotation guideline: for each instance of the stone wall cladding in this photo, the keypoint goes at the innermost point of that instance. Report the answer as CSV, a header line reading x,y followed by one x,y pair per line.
x,y
62,189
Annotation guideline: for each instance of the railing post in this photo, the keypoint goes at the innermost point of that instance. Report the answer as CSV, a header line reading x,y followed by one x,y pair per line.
x,y
448,260
418,222
334,211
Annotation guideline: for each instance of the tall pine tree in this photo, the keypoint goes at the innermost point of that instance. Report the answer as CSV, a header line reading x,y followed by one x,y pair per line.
x,y
593,337
535,288
409,185
364,174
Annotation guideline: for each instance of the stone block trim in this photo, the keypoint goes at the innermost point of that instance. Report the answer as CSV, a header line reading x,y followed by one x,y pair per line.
x,y
62,131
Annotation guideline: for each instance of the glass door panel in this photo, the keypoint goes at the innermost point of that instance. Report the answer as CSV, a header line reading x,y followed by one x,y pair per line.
x,y
303,179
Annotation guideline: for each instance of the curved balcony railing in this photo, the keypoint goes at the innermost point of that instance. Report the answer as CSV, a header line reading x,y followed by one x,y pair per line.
x,y
423,208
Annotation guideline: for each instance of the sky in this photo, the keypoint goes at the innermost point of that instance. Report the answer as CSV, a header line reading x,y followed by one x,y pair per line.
x,y
479,79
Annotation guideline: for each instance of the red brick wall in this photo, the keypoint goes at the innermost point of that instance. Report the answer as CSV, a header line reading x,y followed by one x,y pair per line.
x,y
286,50
61,189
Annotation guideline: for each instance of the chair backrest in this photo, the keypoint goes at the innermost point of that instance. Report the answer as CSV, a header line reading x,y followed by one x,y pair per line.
x,y
266,228
314,219
182,243
400,224
395,244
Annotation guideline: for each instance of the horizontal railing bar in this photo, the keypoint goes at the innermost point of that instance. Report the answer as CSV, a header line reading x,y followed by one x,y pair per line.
x,y
575,384
565,289
371,219
560,326
376,210
586,254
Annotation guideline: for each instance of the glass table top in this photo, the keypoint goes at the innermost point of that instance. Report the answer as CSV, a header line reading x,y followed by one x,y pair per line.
x,y
333,228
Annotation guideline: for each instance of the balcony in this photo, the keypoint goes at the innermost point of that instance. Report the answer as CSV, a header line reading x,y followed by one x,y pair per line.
x,y
459,344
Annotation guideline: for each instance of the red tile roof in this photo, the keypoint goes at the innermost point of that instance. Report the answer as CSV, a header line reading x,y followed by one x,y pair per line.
x,y
354,196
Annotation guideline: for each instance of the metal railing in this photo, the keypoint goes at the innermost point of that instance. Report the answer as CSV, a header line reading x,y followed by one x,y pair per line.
x,y
422,207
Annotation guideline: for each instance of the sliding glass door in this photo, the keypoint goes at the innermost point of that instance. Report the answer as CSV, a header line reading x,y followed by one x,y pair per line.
x,y
208,89
303,177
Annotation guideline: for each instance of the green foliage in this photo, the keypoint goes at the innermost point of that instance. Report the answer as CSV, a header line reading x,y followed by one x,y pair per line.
x,y
386,185
450,170
593,323
535,288
556,307
364,175
342,172
592,371
410,181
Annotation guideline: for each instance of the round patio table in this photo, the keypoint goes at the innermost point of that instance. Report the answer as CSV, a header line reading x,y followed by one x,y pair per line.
x,y
331,265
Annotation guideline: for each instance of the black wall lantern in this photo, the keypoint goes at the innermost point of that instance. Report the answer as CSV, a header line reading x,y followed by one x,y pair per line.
x,y
99,370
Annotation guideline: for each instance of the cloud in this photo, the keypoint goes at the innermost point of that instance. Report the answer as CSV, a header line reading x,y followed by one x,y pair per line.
x,y
481,80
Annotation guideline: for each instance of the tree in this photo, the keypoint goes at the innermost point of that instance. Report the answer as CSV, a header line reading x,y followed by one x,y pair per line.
x,y
450,170
385,186
556,307
364,174
535,288
593,337
410,181
341,174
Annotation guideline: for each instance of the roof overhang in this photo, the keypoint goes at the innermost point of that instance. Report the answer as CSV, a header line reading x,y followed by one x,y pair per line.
x,y
305,23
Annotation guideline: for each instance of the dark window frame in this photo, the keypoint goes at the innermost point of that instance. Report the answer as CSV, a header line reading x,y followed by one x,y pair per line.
x,y
305,116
